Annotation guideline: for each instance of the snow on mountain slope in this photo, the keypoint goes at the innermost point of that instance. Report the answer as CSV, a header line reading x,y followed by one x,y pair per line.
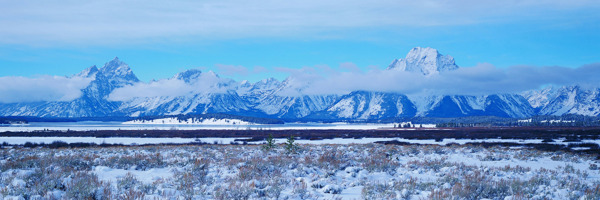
x,y
210,94
448,105
424,60
203,93
501,105
118,73
254,92
227,96
188,76
293,107
428,61
89,72
93,101
565,100
508,105
372,105
286,99
200,103
540,98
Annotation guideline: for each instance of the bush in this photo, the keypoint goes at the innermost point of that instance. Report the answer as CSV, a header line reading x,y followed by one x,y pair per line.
x,y
82,186
127,182
58,144
290,146
270,145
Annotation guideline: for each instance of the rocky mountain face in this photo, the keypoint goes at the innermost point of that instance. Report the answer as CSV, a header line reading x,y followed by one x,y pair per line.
x,y
204,97
565,100
427,61
209,93
501,105
93,101
372,105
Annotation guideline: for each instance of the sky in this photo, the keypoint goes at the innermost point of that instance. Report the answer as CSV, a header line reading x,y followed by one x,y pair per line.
x,y
254,40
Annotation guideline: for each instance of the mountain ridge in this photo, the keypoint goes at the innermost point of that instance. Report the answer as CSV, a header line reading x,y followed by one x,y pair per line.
x,y
285,99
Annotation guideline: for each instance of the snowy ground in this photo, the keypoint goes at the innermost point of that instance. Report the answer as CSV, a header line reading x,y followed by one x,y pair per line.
x,y
173,124
217,140
346,171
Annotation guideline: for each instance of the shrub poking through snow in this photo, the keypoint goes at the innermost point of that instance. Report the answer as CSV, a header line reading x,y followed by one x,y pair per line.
x,y
367,171
83,186
270,145
290,146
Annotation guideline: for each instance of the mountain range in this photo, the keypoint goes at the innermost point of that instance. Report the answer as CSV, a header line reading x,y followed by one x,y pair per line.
x,y
272,98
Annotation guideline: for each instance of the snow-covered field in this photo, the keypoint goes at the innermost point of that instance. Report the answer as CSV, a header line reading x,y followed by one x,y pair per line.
x,y
229,140
175,125
114,140
348,171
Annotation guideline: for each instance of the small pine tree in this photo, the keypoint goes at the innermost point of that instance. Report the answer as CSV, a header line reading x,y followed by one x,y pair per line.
x,y
270,143
290,146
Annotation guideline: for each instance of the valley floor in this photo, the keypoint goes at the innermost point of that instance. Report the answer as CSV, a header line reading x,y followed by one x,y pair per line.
x,y
325,171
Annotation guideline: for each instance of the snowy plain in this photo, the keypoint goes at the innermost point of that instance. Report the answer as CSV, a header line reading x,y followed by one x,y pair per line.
x,y
351,171
174,125
229,140
339,168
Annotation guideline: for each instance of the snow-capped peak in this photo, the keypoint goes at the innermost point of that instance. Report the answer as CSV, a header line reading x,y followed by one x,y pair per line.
x,y
89,72
424,60
211,74
118,69
189,75
118,73
245,83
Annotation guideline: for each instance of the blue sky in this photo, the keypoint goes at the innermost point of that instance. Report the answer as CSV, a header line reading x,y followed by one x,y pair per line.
x,y
254,41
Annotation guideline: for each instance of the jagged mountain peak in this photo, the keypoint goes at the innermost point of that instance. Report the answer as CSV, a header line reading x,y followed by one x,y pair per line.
x,y
88,72
362,104
288,99
116,66
419,52
424,60
245,83
570,99
118,71
212,73
188,75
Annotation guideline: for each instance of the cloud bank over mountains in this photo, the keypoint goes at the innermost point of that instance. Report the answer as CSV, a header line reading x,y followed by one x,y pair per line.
x,y
175,86
15,89
482,79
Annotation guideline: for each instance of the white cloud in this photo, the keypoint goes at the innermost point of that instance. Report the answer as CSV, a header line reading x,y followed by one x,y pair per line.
x,y
478,80
207,83
114,21
481,79
160,88
44,88
350,67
